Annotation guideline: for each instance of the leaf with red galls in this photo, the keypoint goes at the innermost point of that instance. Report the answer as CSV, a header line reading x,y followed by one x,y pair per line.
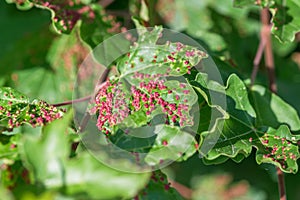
x,y
16,109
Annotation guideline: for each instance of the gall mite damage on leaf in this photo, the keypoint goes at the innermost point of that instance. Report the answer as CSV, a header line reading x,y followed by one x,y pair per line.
x,y
17,110
113,104
143,87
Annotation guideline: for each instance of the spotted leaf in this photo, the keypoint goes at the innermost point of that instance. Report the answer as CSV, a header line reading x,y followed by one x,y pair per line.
x,y
279,147
243,129
16,109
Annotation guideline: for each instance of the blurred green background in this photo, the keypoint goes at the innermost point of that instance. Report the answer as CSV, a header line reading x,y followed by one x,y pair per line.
x,y
42,64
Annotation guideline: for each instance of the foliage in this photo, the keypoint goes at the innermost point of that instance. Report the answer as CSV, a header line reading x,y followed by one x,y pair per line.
x,y
285,16
155,87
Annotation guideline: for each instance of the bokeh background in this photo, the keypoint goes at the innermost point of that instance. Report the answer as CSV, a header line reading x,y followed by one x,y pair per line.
x,y
42,64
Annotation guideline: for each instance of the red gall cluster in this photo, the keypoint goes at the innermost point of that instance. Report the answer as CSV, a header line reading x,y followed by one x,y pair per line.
x,y
149,93
68,12
276,152
37,114
113,105
142,76
148,97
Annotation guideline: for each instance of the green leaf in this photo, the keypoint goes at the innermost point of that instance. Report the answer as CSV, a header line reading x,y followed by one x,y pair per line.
x,y
158,188
285,16
9,148
26,53
239,122
286,19
86,177
16,109
68,52
241,3
54,83
48,165
22,5
280,148
170,59
171,144
271,110
5,194
148,57
144,12
25,49
65,56
155,145
199,19
44,84
64,15
145,35
149,85
82,176
94,30
239,133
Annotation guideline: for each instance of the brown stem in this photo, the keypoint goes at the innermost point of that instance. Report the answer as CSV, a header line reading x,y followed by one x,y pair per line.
x,y
281,184
258,56
265,46
257,59
182,189
87,98
269,61
105,3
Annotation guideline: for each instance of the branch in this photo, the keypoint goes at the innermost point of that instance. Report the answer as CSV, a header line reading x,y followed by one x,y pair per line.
x,y
105,3
269,60
266,44
264,34
281,184
182,189
257,59
87,98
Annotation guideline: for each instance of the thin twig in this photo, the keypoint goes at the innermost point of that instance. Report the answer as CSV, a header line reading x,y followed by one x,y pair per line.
x,y
87,98
281,184
265,46
119,13
105,3
182,189
258,56
264,34
269,61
